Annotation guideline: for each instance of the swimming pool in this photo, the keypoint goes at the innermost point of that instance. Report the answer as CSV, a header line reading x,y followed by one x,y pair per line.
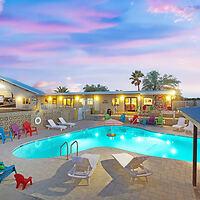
x,y
127,138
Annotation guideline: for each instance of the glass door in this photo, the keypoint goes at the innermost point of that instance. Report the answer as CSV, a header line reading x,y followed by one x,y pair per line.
x,y
130,104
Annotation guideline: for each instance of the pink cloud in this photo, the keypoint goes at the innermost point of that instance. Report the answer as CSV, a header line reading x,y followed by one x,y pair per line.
x,y
149,42
44,45
163,6
50,86
1,5
32,50
39,28
83,21
50,90
43,84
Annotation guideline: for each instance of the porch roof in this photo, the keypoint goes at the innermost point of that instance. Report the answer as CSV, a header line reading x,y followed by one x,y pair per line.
x,y
162,92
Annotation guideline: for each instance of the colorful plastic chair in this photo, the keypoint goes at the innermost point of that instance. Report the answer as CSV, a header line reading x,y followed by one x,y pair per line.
x,y
107,116
151,108
17,131
169,108
139,108
144,108
160,121
144,122
123,118
134,119
5,135
6,171
152,120
30,129
21,180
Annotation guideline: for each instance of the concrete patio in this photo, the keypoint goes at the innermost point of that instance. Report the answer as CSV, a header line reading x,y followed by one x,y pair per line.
x,y
171,179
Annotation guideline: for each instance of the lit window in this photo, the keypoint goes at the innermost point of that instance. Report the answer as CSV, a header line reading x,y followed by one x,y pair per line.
x,y
67,102
90,101
82,101
26,101
115,101
46,100
54,100
148,101
127,101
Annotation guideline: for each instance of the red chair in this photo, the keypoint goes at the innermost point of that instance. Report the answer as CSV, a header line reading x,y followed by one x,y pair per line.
x,y
144,108
134,119
30,129
21,180
169,108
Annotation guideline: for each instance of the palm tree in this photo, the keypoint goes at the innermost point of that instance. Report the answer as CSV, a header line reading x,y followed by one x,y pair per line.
x,y
61,89
135,77
153,81
94,88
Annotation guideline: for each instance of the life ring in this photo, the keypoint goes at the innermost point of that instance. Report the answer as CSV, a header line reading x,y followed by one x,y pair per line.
x,y
38,120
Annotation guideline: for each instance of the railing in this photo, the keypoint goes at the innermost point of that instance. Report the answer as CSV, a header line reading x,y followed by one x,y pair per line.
x,y
76,147
67,150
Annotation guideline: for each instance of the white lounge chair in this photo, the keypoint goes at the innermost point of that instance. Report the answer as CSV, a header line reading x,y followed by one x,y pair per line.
x,y
63,122
54,126
190,127
84,166
133,165
181,123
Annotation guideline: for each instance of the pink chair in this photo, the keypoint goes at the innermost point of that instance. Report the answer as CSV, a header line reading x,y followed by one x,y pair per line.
x,y
17,131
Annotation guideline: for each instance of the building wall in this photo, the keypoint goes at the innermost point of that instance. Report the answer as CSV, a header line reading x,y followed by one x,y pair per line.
x,y
18,93
103,102
7,119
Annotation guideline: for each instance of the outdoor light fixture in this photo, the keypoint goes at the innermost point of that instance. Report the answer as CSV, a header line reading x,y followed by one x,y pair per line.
x,y
122,98
96,98
168,98
2,86
139,98
77,98
19,98
50,98
60,98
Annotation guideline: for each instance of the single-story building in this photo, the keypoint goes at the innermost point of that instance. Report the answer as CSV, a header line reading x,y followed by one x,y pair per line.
x,y
13,93
16,94
117,101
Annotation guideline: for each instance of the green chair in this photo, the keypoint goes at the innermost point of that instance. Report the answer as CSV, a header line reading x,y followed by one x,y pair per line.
x,y
151,108
107,116
160,121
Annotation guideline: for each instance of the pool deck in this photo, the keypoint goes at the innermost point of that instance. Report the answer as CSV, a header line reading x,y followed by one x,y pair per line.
x,y
171,179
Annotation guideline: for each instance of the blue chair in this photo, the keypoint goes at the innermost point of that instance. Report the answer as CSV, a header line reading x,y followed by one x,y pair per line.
x,y
123,118
6,171
144,122
3,136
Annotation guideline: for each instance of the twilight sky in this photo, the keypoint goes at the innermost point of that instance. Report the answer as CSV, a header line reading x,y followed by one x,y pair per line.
x,y
47,43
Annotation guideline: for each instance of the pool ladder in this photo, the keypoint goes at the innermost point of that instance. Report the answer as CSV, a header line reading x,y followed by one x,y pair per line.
x,y
75,142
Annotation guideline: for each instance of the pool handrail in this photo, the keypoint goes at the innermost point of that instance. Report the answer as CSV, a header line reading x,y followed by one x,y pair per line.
x,y
76,147
67,149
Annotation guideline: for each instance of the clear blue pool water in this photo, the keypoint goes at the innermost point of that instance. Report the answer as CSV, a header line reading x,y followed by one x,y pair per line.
x,y
127,138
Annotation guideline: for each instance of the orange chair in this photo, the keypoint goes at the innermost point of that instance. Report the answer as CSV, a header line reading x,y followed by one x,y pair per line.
x,y
21,180
30,129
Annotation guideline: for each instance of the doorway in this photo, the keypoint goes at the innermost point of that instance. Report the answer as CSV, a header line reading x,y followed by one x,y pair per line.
x,y
131,104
